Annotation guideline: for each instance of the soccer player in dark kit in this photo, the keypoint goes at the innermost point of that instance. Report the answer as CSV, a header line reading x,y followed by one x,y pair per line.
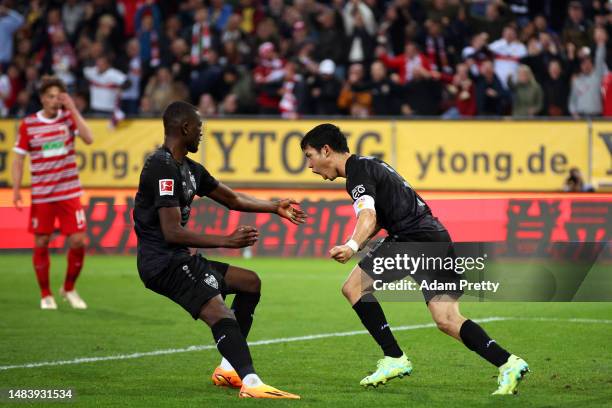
x,y
383,199
168,183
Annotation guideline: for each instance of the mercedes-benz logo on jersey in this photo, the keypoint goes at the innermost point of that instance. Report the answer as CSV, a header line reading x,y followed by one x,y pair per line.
x,y
357,191
211,281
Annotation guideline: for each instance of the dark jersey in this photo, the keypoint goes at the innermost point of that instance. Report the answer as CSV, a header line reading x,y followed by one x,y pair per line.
x,y
399,209
164,182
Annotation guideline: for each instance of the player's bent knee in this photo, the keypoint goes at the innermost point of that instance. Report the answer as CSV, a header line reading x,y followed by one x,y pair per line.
x,y
347,290
255,283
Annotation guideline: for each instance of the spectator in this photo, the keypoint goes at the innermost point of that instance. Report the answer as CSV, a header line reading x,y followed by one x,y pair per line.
x,y
10,21
73,11
325,90
385,93
232,32
207,106
229,106
148,29
16,85
5,93
203,38
496,17
22,106
105,84
162,90
577,29
441,10
332,40
401,18
288,104
422,95
407,63
606,88
477,52
360,29
268,76
131,95
251,14
556,90
585,93
63,58
490,94
354,97
440,54
576,184
463,93
207,77
527,98
508,51
179,61
357,9
219,14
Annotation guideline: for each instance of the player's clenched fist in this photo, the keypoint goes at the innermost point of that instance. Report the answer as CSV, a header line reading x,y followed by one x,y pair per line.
x,y
243,236
341,253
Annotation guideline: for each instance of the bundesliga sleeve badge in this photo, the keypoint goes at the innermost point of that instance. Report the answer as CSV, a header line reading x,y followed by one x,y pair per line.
x,y
166,187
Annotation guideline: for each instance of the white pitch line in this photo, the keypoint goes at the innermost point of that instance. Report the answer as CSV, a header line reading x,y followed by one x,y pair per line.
x,y
189,349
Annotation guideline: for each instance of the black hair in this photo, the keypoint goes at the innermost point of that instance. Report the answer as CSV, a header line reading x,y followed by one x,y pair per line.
x,y
325,134
176,113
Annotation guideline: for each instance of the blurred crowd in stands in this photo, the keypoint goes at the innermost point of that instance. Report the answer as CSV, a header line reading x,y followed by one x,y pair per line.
x,y
295,58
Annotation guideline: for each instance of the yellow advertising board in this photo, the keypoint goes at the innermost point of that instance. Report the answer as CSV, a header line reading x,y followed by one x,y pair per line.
x,y
434,155
265,151
507,155
601,170
113,160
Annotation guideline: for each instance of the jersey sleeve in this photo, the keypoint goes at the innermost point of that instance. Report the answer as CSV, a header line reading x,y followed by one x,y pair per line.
x,y
362,181
22,146
164,182
361,185
207,183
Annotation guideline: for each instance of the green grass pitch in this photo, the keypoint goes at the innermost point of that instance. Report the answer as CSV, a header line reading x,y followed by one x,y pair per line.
x,y
571,361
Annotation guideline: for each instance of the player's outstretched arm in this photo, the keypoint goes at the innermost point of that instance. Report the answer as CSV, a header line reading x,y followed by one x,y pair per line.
x,y
243,202
175,233
365,229
84,131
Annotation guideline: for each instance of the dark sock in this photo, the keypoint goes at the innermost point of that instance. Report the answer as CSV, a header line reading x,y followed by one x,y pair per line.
x,y
373,318
244,305
476,339
232,345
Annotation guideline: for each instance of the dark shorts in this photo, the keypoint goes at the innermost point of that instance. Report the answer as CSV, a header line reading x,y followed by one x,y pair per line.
x,y
433,244
190,281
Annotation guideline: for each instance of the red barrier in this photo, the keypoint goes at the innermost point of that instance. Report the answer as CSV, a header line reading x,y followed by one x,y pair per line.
x,y
518,219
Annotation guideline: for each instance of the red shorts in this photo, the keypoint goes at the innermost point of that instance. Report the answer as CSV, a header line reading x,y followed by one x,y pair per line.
x,y
69,212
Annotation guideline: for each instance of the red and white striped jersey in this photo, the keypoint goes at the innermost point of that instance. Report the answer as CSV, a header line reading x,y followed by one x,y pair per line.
x,y
50,143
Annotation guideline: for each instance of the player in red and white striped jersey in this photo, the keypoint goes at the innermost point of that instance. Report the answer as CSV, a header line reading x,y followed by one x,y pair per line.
x,y
48,136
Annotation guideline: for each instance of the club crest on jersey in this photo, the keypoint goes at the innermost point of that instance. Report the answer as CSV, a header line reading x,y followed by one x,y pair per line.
x,y
357,191
166,187
211,281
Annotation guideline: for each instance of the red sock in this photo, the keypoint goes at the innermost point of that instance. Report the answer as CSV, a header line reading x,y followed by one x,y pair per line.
x,y
41,267
75,263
